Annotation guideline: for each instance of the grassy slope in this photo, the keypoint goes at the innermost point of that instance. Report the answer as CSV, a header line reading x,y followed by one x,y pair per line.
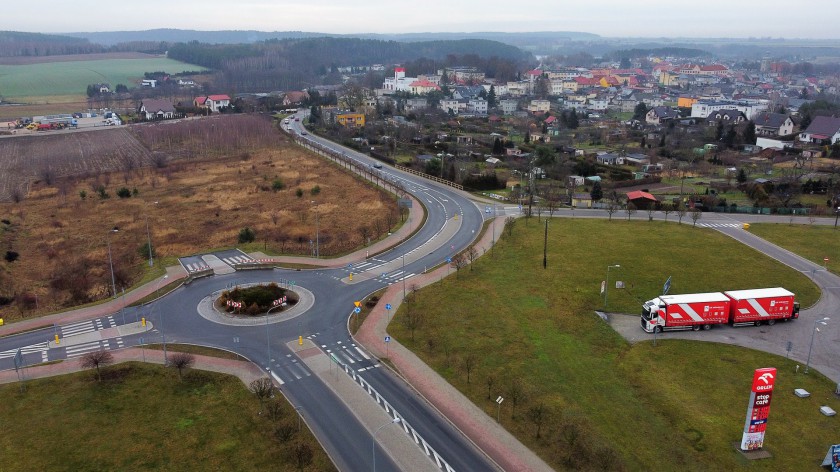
x,y
535,326
811,242
71,78
140,417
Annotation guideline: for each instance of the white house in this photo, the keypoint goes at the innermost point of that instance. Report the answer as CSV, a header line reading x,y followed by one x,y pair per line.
x,y
152,109
823,129
539,106
477,106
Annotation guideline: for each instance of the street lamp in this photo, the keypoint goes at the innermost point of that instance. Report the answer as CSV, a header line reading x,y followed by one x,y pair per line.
x,y
821,321
149,240
836,214
373,445
403,274
162,332
111,262
317,235
607,283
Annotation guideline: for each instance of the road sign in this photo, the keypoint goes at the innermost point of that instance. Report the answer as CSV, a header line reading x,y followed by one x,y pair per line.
x,y
387,306
349,265
500,400
449,259
357,304
357,310
18,359
603,286
667,286
387,339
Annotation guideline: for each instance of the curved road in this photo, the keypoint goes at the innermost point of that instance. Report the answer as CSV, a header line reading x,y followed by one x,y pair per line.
x,y
452,223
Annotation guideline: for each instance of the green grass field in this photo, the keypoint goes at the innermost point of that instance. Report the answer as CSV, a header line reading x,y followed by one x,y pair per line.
x,y
33,81
607,405
812,242
141,417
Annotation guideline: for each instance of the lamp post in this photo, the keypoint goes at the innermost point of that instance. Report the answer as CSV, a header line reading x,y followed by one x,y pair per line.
x,y
836,214
162,332
607,283
268,338
373,444
317,233
111,262
821,321
149,241
403,274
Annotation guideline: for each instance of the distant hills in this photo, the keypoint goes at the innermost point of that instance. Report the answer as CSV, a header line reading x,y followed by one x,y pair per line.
x,y
111,38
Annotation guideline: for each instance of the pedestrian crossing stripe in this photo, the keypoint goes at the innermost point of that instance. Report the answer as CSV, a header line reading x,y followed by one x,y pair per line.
x,y
720,225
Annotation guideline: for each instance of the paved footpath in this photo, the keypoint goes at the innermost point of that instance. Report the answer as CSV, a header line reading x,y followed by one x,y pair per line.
x,y
484,431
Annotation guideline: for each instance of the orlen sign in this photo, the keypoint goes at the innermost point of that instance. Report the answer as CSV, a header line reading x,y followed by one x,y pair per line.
x,y
758,409
764,379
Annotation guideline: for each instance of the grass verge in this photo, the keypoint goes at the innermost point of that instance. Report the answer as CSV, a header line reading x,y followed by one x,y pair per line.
x,y
575,391
198,350
141,417
813,242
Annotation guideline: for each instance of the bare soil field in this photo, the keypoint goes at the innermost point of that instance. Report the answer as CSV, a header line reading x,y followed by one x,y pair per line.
x,y
198,183
42,107
22,60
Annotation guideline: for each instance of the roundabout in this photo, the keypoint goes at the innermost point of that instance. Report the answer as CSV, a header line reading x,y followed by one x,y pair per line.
x,y
209,309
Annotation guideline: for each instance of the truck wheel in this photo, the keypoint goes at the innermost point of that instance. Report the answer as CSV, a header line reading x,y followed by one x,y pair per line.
x,y
657,329
771,322
757,323
695,328
707,327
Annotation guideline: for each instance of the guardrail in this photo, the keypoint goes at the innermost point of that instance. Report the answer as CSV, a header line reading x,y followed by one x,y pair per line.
x,y
429,450
429,176
365,171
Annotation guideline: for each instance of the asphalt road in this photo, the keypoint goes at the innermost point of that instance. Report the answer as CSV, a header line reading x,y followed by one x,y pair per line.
x,y
175,318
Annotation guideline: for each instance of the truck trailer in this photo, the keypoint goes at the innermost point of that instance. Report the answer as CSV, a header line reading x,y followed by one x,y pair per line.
x,y
704,310
763,305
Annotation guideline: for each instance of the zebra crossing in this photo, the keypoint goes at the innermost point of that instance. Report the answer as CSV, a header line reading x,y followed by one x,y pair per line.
x,y
371,264
79,350
196,267
720,225
290,370
82,327
40,347
395,276
236,260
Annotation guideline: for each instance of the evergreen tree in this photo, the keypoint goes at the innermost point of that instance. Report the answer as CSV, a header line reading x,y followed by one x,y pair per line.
x,y
741,178
498,149
491,97
597,193
749,133
573,122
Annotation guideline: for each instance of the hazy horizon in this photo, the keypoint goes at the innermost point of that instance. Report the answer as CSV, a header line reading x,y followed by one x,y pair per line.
x,y
608,18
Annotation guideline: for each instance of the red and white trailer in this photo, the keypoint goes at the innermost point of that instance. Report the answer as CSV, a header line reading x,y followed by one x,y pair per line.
x,y
688,311
762,305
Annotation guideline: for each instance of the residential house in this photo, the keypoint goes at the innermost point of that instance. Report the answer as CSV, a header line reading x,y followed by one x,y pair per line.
x,y
453,105
581,200
660,115
414,104
151,109
609,159
539,106
212,102
508,106
773,124
823,130
151,83
477,106
727,117
350,120
294,98
104,88
422,87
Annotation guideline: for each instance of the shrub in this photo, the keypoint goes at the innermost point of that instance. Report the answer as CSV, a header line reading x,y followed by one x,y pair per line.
x,y
11,256
124,193
246,235
82,194
299,193
103,194
315,190
277,185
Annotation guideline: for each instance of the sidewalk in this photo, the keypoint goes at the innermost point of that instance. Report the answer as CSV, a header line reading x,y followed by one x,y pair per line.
x,y
173,273
245,371
484,431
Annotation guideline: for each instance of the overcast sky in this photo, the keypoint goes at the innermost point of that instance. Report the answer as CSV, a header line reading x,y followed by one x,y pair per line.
x,y
647,18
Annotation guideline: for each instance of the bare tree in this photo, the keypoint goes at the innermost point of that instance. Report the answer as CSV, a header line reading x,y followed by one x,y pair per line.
x,y
459,261
509,223
516,394
263,388
472,255
469,364
490,382
303,455
181,361
96,359
630,209
695,215
413,319
612,207
538,415
681,211
667,207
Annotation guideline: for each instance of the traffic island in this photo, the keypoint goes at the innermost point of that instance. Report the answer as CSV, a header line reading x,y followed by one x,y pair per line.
x,y
214,307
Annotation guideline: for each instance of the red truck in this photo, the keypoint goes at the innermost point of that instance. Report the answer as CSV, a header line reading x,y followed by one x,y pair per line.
x,y
703,310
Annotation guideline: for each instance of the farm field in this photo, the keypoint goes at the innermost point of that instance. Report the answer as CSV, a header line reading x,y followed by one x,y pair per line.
x,y
198,182
507,327
67,80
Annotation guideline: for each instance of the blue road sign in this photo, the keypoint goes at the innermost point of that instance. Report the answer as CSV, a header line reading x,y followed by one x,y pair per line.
x,y
448,259
667,286
357,310
387,306
387,339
